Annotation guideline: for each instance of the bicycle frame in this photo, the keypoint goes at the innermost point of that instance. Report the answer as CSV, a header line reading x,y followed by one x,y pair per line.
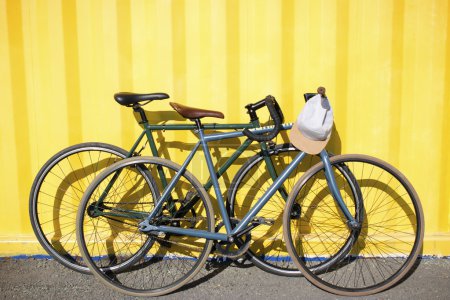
x,y
241,227
149,128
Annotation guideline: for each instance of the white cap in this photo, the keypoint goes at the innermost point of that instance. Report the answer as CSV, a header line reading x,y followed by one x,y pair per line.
x,y
312,131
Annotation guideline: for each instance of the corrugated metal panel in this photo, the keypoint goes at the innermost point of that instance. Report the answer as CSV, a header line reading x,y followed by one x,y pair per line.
x,y
386,65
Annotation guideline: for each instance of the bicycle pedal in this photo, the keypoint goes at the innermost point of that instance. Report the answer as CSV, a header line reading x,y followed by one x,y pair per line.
x,y
264,221
160,234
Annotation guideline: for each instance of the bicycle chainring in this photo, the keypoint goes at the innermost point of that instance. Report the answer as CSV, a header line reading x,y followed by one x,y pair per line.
x,y
236,248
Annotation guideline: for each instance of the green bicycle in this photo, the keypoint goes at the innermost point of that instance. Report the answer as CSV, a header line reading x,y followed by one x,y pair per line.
x,y
61,182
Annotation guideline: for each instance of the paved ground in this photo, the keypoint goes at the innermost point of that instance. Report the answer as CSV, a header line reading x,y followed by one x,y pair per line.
x,y
46,279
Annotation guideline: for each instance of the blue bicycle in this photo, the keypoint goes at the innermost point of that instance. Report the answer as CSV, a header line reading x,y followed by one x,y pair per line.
x,y
352,224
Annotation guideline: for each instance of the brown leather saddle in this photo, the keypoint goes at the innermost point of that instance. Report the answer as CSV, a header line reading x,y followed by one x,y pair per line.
x,y
195,113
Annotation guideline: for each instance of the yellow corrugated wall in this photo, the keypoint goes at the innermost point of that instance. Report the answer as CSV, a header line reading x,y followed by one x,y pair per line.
x,y
386,65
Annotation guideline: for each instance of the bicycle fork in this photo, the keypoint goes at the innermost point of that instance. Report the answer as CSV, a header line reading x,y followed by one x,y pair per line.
x,y
332,185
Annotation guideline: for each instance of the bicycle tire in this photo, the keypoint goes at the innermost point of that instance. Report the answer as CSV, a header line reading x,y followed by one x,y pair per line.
x,y
60,204
268,256
170,261
382,254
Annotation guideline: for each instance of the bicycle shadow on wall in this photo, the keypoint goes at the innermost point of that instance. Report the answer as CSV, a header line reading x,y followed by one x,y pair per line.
x,y
388,226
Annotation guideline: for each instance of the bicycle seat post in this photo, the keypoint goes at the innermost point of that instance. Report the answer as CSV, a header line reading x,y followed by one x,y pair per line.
x,y
198,124
138,108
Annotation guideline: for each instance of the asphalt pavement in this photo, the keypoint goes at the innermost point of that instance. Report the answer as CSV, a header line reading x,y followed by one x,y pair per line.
x,y
46,279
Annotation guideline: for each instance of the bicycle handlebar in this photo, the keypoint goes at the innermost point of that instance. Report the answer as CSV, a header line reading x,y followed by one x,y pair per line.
x,y
275,113
257,105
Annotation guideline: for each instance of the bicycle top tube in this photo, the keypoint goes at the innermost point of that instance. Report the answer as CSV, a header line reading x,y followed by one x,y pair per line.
x,y
209,126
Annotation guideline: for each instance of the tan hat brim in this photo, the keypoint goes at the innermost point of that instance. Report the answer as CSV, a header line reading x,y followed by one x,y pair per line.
x,y
303,143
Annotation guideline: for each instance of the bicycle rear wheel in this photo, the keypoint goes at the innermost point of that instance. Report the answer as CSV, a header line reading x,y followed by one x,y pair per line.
x,y
267,249
156,263
390,236
56,194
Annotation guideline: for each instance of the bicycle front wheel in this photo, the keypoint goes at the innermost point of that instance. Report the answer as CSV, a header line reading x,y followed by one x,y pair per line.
x,y
113,206
389,239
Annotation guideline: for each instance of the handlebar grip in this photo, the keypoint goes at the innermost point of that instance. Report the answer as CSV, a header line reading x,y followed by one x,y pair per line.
x,y
269,101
